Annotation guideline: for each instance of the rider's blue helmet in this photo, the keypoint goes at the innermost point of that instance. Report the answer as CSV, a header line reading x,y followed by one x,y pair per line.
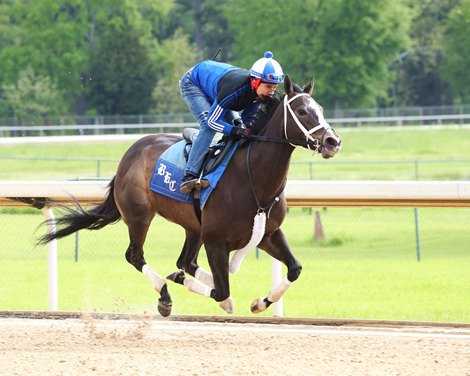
x,y
267,69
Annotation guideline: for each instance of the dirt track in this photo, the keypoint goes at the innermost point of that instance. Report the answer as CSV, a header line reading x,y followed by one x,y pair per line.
x,y
148,346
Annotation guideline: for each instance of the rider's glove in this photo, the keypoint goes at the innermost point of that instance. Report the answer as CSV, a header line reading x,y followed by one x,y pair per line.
x,y
239,132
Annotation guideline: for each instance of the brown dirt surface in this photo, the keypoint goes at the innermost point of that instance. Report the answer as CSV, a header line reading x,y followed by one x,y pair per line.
x,y
91,345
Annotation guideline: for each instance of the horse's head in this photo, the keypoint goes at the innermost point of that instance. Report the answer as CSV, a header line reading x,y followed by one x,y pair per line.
x,y
304,120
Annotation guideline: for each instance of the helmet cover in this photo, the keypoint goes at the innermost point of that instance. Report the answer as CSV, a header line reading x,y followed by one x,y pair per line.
x,y
267,69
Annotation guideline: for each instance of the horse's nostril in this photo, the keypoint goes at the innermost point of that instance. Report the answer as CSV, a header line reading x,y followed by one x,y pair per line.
x,y
331,141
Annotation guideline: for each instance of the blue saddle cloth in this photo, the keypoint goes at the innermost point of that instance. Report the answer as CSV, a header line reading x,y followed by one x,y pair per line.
x,y
169,170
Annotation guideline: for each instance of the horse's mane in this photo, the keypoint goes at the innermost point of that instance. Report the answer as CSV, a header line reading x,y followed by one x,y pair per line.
x,y
267,109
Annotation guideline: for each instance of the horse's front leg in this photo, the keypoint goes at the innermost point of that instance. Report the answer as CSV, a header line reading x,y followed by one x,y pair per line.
x,y
276,245
215,286
218,258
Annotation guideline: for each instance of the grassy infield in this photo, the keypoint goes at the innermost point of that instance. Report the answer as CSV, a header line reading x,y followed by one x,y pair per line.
x,y
365,268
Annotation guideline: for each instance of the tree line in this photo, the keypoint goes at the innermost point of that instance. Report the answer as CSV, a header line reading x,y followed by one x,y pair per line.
x,y
120,57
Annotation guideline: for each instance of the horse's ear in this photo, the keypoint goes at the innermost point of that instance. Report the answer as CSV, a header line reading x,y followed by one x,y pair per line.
x,y
288,87
309,88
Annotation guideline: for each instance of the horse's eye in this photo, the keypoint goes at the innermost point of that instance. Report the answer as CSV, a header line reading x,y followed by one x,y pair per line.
x,y
302,112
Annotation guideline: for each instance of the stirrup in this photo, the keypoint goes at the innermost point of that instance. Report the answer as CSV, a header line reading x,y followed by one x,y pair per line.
x,y
201,183
188,186
196,183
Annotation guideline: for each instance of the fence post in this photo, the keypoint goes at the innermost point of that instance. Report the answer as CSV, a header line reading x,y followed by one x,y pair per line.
x,y
276,277
418,243
52,284
318,233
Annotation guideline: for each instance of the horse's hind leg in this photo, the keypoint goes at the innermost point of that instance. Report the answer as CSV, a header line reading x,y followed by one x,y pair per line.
x,y
188,259
276,245
135,256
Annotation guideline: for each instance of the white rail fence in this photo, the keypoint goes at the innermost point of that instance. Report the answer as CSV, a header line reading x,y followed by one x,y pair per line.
x,y
45,130
412,194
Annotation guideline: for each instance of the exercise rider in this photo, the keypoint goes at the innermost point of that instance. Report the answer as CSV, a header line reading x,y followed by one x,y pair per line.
x,y
216,93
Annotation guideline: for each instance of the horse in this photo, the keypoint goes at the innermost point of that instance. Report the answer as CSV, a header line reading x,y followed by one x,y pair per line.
x,y
245,210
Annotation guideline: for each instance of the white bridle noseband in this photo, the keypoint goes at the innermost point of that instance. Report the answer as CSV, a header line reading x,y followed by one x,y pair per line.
x,y
307,133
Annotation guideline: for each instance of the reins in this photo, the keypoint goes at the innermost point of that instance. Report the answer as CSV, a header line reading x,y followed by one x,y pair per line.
x,y
280,140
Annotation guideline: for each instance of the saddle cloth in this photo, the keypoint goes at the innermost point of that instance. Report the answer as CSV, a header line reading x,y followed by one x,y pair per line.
x,y
169,170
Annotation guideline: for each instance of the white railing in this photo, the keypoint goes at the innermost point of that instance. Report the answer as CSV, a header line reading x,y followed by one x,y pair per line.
x,y
403,120
298,193
45,130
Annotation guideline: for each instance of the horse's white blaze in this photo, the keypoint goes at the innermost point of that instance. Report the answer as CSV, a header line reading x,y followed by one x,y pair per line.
x,y
156,280
276,292
319,111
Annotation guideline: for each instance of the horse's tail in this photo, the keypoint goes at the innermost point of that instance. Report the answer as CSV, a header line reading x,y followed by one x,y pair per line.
x,y
78,219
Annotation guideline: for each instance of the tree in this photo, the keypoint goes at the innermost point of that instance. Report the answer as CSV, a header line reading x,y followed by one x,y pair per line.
x,y
418,74
345,45
457,50
358,40
121,78
175,56
206,24
49,37
58,38
33,96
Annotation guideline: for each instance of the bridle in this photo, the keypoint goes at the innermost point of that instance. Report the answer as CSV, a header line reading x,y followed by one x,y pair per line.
x,y
307,133
310,142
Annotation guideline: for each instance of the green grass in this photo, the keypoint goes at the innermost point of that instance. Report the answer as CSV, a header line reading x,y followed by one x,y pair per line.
x,y
366,267
367,153
390,154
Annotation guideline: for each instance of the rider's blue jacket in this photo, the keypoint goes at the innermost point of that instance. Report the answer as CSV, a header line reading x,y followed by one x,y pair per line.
x,y
229,89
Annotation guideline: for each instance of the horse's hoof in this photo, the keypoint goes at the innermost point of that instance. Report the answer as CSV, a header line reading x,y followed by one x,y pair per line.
x,y
260,305
164,307
177,277
227,305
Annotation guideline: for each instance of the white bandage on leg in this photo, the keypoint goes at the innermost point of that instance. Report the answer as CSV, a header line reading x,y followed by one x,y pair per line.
x,y
195,286
276,292
204,276
154,277
259,227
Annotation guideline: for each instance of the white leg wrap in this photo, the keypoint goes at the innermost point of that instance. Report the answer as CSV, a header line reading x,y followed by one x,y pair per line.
x,y
154,277
204,276
276,292
195,286
259,227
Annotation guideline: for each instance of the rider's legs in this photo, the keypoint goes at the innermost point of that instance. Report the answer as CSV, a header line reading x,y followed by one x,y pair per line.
x,y
199,105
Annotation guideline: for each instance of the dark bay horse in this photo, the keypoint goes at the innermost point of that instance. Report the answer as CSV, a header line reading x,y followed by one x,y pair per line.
x,y
245,210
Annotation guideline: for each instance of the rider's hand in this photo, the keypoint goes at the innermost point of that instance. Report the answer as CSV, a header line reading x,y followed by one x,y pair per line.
x,y
239,132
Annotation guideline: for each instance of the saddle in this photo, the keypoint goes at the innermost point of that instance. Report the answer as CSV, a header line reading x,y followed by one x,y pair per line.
x,y
215,153
214,156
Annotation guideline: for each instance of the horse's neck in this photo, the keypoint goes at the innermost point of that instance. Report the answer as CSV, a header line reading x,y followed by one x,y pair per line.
x,y
269,161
